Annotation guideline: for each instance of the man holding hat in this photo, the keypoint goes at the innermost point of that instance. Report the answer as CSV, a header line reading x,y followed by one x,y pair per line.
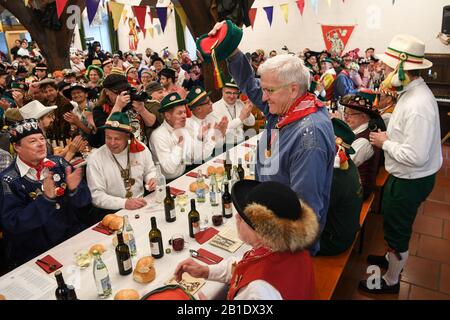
x,y
42,197
119,171
279,227
413,155
237,113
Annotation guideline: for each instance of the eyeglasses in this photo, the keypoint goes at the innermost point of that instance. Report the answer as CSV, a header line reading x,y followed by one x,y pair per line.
x,y
348,115
231,93
270,91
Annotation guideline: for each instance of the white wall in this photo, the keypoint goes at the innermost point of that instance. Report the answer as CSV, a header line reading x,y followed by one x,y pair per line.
x,y
377,21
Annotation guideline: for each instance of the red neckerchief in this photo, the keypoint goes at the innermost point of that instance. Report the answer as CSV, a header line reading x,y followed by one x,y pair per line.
x,y
107,108
345,72
303,106
43,164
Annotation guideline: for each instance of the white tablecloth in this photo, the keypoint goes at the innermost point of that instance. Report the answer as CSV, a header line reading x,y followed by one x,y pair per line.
x,y
42,285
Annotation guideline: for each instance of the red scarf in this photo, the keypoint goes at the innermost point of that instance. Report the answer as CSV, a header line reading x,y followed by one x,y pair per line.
x,y
43,164
303,106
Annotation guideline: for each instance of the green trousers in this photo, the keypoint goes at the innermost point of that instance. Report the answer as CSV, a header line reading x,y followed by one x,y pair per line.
x,y
401,200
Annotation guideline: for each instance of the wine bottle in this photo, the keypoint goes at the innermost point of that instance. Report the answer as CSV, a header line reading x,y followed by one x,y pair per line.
x,y
128,229
101,276
72,295
227,211
200,192
160,184
123,256
228,165
155,237
240,170
194,220
213,191
61,292
169,206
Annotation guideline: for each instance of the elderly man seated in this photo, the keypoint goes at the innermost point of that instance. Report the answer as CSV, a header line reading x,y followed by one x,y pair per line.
x,y
118,172
42,197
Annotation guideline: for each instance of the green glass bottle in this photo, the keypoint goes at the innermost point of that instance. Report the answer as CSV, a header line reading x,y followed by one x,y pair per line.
x,y
227,210
169,206
155,237
123,256
194,220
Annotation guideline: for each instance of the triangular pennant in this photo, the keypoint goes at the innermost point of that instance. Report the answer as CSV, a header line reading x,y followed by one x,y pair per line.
x,y
269,13
158,28
151,16
315,6
252,15
116,13
393,2
336,38
60,5
151,31
162,16
182,15
301,6
329,3
285,10
140,12
124,15
92,6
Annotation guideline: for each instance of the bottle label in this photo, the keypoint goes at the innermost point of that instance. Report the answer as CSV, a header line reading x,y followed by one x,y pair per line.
x,y
127,264
227,208
200,194
132,243
160,194
213,198
196,227
106,284
172,213
154,248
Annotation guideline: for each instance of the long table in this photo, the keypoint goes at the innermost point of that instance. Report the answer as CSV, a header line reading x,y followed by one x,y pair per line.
x,y
29,281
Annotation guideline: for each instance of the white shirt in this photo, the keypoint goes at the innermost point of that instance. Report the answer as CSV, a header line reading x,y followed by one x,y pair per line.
x,y
413,148
363,148
105,181
26,170
235,130
213,137
255,290
181,77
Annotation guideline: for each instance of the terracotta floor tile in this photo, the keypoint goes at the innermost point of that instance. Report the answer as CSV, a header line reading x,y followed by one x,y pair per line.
x,y
446,234
434,248
418,293
428,225
414,243
437,209
442,181
438,194
421,272
444,283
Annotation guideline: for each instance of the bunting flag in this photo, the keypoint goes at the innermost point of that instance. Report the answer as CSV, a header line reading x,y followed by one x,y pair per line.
x,y
269,13
315,6
285,10
252,15
393,2
158,28
140,13
151,31
92,6
336,38
116,13
60,5
301,6
329,3
183,18
162,16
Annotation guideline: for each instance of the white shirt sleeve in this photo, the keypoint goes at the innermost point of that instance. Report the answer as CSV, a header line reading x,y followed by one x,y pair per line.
x,y
169,156
149,167
363,151
221,272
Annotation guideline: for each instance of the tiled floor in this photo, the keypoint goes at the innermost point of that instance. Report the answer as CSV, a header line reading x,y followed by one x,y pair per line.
x,y
427,272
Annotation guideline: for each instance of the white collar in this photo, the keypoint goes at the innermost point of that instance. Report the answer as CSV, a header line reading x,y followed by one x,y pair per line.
x,y
413,84
361,128
23,167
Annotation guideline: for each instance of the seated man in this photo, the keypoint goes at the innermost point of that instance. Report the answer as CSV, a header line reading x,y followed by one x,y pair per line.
x,y
117,171
346,196
171,143
237,113
42,198
279,227
360,115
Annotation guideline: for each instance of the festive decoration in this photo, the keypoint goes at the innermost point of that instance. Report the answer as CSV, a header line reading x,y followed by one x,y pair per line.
x,y
336,37
218,75
162,16
133,35
329,3
252,15
124,16
151,31
269,13
285,10
60,5
140,12
315,6
301,6
183,18
116,12
151,16
92,6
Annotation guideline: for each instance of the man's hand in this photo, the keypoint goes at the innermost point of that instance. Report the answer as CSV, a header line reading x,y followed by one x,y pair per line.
x,y
180,141
192,268
377,139
216,28
135,203
151,185
77,144
49,186
138,106
203,131
222,125
18,98
122,100
72,118
73,179
246,111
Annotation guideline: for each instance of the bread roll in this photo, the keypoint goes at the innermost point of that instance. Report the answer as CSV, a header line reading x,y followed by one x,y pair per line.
x,y
247,156
126,238
144,264
144,277
99,247
127,294
220,171
211,171
116,223
2,297
107,219
194,185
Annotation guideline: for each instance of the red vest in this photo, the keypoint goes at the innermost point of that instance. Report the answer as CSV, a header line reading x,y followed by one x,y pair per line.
x,y
291,274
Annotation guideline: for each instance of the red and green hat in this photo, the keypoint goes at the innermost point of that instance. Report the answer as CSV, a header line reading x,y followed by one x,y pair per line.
x,y
118,121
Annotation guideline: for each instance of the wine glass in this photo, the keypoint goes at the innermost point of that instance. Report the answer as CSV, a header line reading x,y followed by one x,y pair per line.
x,y
181,201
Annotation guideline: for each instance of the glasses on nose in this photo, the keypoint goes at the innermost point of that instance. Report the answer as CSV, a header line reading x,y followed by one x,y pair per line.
x,y
349,115
271,91
231,93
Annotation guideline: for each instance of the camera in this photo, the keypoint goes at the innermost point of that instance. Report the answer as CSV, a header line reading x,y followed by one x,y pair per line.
x,y
135,95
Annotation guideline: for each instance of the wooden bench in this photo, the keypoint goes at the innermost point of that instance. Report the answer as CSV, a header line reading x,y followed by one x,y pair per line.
x,y
380,181
328,269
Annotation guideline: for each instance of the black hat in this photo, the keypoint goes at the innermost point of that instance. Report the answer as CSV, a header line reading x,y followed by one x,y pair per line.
x,y
275,212
361,101
152,87
157,59
116,82
22,129
309,54
67,90
168,73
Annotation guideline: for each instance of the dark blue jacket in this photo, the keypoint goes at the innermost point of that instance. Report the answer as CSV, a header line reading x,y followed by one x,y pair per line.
x,y
32,227
303,153
343,86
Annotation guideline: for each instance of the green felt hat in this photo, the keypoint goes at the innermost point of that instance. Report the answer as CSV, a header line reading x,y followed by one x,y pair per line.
x,y
19,86
118,121
231,84
171,101
99,70
196,96
226,40
343,132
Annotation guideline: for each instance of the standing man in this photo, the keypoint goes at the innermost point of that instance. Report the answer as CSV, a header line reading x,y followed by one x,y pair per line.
x,y
413,155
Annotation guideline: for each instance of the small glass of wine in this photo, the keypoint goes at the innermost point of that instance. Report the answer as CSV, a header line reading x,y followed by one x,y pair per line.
x,y
82,259
181,201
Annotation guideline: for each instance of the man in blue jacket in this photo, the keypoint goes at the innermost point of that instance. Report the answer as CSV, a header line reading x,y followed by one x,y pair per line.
x,y
298,148
40,197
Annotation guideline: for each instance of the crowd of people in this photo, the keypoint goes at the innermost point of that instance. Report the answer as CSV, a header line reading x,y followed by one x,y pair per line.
x,y
331,121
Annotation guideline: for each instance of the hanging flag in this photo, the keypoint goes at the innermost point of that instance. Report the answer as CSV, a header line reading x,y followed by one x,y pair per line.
x,y
60,5
151,31
269,13
183,18
140,12
301,6
158,28
315,6
393,2
92,6
336,38
329,3
116,13
285,10
162,16
252,15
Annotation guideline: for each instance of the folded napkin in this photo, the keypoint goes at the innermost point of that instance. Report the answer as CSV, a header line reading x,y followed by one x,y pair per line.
x,y
209,255
192,174
176,192
248,145
222,161
205,235
102,229
48,262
